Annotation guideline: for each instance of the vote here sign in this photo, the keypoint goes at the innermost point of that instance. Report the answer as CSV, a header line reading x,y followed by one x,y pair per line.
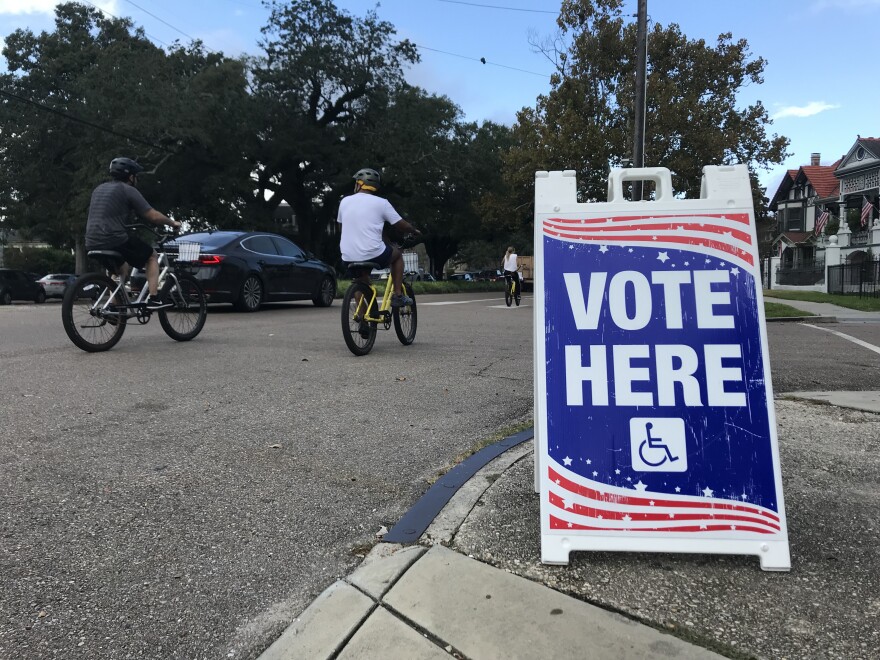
x,y
654,402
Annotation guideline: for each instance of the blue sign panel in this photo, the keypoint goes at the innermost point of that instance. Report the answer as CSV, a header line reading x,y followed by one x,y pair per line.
x,y
656,419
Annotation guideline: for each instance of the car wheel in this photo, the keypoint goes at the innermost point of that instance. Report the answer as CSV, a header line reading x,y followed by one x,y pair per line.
x,y
5,298
250,297
326,292
40,298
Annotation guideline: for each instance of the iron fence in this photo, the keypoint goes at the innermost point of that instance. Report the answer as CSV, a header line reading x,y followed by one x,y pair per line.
x,y
861,279
803,274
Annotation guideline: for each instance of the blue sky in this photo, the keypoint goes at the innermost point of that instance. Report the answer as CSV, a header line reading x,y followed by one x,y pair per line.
x,y
821,81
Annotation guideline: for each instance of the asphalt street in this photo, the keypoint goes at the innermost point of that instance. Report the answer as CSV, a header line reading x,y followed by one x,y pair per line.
x,y
189,500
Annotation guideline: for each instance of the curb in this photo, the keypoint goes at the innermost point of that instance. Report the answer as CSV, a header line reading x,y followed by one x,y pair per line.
x,y
803,319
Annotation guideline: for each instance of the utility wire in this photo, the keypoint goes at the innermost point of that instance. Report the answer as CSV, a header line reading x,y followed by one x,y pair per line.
x,y
191,38
83,121
475,4
107,13
482,60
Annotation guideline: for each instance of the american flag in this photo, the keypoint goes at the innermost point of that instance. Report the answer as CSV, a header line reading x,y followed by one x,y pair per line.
x,y
577,503
867,207
821,220
726,236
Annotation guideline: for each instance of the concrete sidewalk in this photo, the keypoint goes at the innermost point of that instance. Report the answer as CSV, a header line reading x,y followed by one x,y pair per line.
x,y
474,586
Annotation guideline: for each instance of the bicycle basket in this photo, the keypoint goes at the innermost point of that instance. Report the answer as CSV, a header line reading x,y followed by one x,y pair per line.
x,y
188,251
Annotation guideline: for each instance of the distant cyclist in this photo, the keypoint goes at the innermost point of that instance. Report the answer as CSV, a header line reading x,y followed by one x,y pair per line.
x,y
511,271
110,211
363,216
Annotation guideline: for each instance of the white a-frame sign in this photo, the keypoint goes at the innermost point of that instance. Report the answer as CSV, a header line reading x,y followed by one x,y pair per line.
x,y
654,404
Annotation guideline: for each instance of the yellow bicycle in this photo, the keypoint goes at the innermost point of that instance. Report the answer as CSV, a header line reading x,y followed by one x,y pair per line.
x,y
511,290
363,312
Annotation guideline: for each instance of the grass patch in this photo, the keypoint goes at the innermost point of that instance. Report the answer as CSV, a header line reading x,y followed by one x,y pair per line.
x,y
778,310
850,302
485,442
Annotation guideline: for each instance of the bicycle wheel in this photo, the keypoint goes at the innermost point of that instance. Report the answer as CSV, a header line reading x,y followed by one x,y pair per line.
x,y
83,313
359,335
508,296
405,318
187,317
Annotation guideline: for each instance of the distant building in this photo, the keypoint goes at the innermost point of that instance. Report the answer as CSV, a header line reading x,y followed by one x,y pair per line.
x,y
826,215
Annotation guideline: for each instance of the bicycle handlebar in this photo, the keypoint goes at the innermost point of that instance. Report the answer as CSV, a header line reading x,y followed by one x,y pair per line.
x,y
163,237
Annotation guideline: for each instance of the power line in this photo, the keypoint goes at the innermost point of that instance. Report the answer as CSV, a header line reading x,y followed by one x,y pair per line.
x,y
191,38
482,60
475,4
107,13
83,121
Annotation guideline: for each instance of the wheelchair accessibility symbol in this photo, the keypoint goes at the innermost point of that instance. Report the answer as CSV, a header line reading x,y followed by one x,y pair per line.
x,y
658,444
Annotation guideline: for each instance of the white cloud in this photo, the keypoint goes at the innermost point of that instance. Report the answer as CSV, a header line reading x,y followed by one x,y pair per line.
x,y
44,6
808,110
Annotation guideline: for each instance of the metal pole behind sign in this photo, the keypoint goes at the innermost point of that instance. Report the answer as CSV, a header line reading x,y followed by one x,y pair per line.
x,y
641,85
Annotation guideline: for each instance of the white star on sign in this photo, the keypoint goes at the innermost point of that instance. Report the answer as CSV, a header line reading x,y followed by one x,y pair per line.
x,y
734,271
677,489
651,502
567,505
589,461
569,524
603,249
627,518
708,492
630,250
687,263
744,497
704,527
708,261
733,527
663,257
672,515
640,485
617,472
566,461
595,474
558,481
599,516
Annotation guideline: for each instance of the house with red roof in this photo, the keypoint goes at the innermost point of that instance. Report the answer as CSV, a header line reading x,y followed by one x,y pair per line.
x,y
826,215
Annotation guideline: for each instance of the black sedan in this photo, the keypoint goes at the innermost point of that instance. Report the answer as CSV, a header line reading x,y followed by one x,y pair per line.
x,y
18,285
248,269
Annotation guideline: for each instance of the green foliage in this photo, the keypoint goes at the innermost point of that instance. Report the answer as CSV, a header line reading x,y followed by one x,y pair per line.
x,y
40,260
780,311
586,121
182,113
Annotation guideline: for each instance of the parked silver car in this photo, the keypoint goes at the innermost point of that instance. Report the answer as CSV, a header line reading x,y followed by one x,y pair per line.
x,y
55,284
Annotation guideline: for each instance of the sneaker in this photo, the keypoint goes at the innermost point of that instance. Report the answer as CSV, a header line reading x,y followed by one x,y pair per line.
x,y
401,300
154,303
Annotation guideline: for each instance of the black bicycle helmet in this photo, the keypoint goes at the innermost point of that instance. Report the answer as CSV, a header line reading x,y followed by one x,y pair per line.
x,y
121,168
368,177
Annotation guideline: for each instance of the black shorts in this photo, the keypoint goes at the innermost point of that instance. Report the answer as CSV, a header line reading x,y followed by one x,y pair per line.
x,y
382,261
135,252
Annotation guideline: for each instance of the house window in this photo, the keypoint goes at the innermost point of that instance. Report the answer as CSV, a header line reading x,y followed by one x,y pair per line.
x,y
792,218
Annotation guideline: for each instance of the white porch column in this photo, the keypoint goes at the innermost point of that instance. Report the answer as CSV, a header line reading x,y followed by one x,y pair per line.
x,y
843,233
832,257
774,267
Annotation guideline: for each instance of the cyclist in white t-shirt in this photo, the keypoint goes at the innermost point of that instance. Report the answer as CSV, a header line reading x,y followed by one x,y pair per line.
x,y
363,216
509,266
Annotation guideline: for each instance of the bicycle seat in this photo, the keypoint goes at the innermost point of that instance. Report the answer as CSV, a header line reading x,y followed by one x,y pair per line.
x,y
105,254
110,259
359,265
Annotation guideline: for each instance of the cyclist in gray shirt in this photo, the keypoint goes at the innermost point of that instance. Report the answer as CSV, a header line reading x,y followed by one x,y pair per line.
x,y
109,213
